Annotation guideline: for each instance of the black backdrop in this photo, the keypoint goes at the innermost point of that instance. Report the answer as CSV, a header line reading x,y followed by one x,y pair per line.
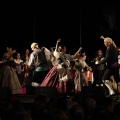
x,y
76,23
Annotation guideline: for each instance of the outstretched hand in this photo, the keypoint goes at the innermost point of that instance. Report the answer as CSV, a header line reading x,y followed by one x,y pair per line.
x,y
59,40
43,47
80,48
102,37
96,63
14,51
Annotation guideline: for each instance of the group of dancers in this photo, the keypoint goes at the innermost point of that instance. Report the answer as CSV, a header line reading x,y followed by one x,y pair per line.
x,y
55,68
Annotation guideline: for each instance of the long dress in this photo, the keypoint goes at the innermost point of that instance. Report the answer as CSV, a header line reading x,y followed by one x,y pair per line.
x,y
58,77
51,78
19,67
8,77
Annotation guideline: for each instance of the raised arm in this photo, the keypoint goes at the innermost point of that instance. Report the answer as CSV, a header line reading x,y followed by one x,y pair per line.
x,y
57,45
77,52
102,37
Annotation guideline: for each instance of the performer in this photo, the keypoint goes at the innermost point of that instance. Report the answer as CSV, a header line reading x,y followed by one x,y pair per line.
x,y
26,56
119,60
60,74
37,64
82,68
19,68
98,69
111,60
8,75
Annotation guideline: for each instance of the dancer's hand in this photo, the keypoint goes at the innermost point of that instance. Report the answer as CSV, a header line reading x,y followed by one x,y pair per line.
x,y
59,40
96,62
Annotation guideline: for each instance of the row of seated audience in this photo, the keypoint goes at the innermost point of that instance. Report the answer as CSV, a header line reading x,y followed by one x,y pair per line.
x,y
61,108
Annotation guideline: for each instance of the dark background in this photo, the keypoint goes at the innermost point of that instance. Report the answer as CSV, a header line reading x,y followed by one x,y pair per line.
x,y
77,23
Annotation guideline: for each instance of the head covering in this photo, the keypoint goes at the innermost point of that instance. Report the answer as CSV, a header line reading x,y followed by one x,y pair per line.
x,y
107,39
34,45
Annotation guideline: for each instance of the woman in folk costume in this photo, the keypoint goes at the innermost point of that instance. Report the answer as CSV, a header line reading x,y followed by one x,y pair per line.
x,y
51,78
80,77
60,73
8,76
19,68
25,57
63,69
66,71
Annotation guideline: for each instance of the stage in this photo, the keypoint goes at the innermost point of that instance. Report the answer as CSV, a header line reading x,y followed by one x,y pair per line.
x,y
97,93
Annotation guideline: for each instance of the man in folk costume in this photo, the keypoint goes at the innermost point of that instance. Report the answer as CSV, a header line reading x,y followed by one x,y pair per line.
x,y
37,64
111,60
